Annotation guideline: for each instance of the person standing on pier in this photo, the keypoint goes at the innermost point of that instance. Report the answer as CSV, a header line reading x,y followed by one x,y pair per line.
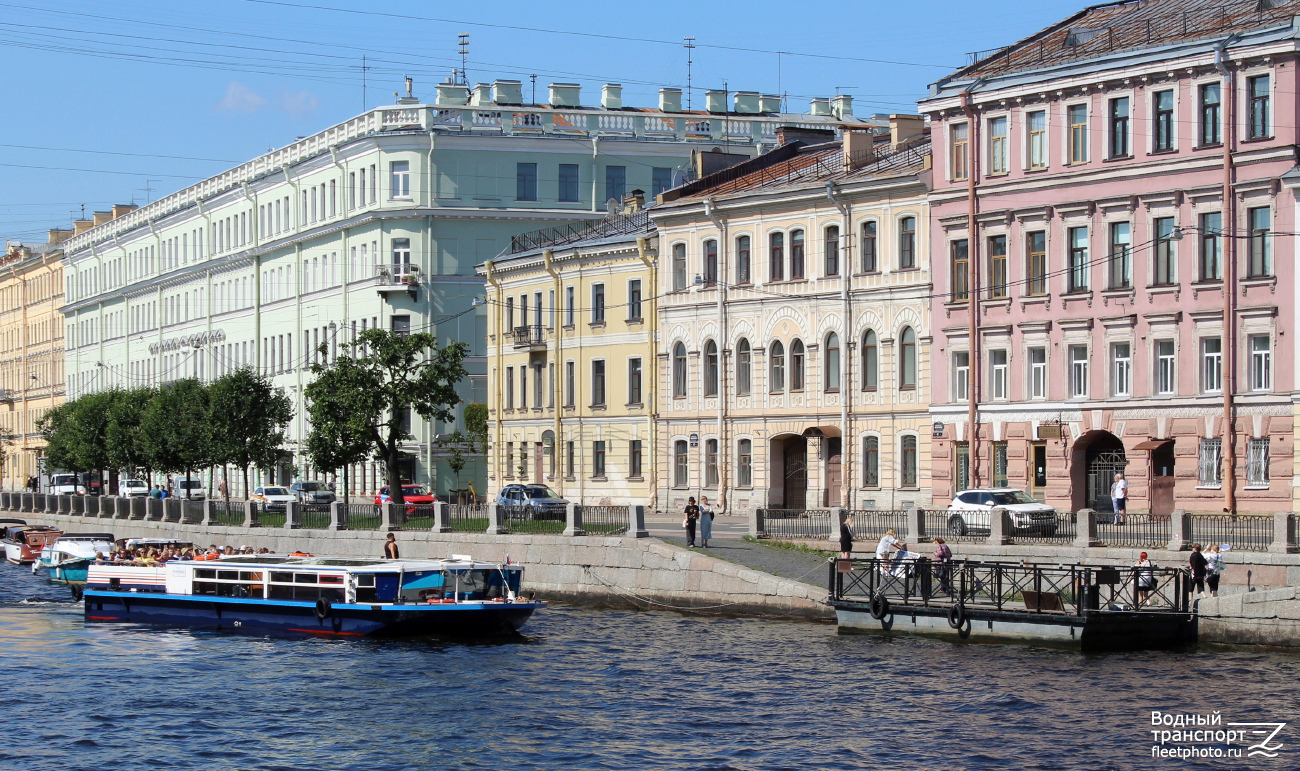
x,y
846,537
390,547
887,542
1198,563
942,564
1119,497
1213,568
706,521
692,518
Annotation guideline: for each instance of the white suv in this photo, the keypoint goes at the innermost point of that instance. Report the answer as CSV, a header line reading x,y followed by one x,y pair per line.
x,y
193,487
133,488
66,484
970,510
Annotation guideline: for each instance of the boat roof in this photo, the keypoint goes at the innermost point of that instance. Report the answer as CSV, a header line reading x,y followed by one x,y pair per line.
x,y
459,561
13,521
156,542
86,537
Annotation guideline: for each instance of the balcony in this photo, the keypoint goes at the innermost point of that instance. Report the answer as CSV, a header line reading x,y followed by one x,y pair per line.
x,y
529,338
397,277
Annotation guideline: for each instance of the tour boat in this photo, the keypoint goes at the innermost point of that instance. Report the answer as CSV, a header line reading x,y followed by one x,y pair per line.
x,y
68,557
23,543
316,595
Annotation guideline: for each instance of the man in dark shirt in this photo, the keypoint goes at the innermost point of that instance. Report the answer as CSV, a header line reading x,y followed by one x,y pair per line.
x,y
390,547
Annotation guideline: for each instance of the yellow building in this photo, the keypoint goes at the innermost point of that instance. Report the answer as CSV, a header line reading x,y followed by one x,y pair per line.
x,y
571,352
31,351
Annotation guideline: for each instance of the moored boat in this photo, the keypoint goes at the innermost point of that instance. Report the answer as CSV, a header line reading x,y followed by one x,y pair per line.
x,y
23,543
69,556
315,595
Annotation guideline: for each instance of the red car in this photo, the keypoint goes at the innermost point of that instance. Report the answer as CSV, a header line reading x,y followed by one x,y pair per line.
x,y
413,495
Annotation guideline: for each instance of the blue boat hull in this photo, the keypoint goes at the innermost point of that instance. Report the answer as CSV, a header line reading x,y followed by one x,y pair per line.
x,y
70,573
294,617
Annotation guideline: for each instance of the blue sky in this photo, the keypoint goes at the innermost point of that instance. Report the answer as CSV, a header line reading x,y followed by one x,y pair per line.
x,y
167,93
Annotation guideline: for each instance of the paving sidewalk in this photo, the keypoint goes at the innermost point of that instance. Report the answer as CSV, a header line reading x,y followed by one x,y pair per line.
x,y
787,563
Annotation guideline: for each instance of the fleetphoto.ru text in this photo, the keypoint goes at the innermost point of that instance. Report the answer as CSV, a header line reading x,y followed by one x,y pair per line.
x,y
1191,735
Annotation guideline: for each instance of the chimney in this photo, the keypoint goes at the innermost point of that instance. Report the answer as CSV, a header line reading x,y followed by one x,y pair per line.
x,y
101,217
451,94
787,134
820,107
903,129
482,95
507,92
634,202
842,106
858,148
59,235
769,103
747,102
715,100
611,96
566,95
81,226
670,100
122,208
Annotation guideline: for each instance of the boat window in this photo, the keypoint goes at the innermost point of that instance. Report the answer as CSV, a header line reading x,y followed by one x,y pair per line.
x,y
304,578
282,578
331,579
228,575
205,574
366,580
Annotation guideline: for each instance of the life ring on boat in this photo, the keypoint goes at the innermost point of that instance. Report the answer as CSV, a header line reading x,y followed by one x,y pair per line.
x,y
430,595
957,616
300,554
879,607
323,609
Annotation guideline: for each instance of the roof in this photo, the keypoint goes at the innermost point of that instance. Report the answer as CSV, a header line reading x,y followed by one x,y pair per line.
x,y
614,228
1110,27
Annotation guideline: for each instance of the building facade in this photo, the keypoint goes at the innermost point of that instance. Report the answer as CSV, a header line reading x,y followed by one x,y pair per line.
x,y
570,345
1112,216
794,331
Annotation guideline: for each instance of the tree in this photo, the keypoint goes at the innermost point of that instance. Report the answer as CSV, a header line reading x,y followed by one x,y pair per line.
x,y
125,443
476,425
57,431
174,427
367,395
247,420
75,433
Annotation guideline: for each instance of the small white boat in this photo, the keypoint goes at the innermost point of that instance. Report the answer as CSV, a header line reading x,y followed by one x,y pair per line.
x,y
69,556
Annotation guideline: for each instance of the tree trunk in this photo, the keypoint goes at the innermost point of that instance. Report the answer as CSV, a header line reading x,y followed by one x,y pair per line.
x,y
246,487
394,478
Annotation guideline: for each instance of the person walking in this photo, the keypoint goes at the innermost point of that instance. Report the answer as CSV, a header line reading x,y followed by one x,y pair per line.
x,y
942,564
1119,497
706,521
1198,563
692,513
1213,568
390,548
846,538
223,490
888,541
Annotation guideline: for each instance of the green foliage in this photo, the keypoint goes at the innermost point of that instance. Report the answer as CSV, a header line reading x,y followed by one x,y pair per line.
x,y
125,445
76,433
174,428
248,418
476,424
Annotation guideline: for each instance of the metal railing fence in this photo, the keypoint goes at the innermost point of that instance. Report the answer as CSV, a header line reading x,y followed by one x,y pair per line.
x,y
1139,531
1250,532
805,524
604,520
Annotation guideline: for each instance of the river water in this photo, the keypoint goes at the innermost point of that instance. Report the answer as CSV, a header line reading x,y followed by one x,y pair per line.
x,y
599,689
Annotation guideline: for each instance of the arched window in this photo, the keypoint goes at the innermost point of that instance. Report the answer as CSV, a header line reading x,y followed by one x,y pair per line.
x,y
870,461
832,250
907,243
679,369
776,257
796,365
832,362
710,368
744,371
796,254
681,464
778,367
742,260
710,263
907,353
907,452
870,361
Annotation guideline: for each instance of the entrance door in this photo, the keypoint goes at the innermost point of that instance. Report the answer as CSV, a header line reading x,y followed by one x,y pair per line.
x,y
1162,480
834,449
796,472
1103,465
1038,472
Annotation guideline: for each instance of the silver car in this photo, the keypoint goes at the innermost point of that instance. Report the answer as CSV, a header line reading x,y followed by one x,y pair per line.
x,y
312,492
971,510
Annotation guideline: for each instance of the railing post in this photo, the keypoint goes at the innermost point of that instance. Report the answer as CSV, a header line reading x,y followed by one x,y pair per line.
x,y
1283,533
336,516
292,515
999,526
1085,529
636,522
250,514
496,519
573,519
916,525
441,518
757,527
838,513
391,518
209,513
153,509
1180,530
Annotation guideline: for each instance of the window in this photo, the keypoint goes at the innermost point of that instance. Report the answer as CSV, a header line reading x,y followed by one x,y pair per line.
x,y
1121,369
569,457
832,362
960,271
1257,107
961,376
796,365
510,315
710,368
510,388
1077,117
907,354
710,263
907,243
745,463
831,249
597,303
778,367
868,248
661,179
510,460
1209,117
870,361
1037,373
1165,256
401,256
570,385
1078,372
776,256
1037,139
1211,365
1000,464
742,260
1119,127
615,183
961,466
998,374
1257,463
598,458
679,267
1258,255
634,381
681,464
523,387
525,182
1163,121
568,190
1209,466
796,254
634,300
1036,262
1261,363
960,135
744,367
870,461
1078,260
1120,239
569,306
998,146
679,370
1211,225
998,266
400,177
1165,382
908,461
710,462
634,459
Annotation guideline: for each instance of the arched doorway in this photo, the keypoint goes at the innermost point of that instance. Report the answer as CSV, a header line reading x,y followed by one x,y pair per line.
x,y
1098,456
789,472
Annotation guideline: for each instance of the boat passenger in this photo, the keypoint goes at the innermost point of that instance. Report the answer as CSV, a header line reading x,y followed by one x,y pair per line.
x,y
99,558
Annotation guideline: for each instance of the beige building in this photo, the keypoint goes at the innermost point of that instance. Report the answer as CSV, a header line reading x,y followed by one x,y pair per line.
x,y
570,351
794,345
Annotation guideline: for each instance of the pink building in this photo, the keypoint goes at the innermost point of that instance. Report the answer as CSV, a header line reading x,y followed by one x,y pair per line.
x,y
1095,188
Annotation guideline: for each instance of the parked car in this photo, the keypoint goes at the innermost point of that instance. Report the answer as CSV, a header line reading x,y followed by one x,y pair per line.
x,y
133,488
540,501
273,498
192,489
970,511
66,484
413,495
312,492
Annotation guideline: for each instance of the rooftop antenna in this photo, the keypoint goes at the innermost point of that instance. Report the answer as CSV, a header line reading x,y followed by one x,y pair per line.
x,y
533,99
463,42
364,68
779,88
689,45
148,195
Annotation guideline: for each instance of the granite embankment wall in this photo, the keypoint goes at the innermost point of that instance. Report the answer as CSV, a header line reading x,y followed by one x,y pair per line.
x,y
641,573
1251,618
